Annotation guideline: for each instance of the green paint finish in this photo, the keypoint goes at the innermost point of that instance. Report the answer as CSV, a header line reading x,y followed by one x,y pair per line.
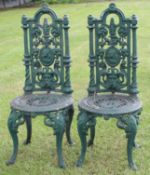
x,y
46,57
111,54
47,69
113,83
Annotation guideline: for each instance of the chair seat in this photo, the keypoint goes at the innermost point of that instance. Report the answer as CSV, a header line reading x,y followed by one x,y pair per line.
x,y
111,104
42,102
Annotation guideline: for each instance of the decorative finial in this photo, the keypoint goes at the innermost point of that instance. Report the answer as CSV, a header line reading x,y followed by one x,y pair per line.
x,y
66,21
90,20
112,6
134,20
24,20
46,27
44,4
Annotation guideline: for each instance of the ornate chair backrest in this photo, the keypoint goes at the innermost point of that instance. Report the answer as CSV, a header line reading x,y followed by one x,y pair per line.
x,y
46,52
113,52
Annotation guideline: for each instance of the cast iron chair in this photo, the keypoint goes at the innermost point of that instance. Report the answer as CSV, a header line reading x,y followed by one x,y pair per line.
x,y
47,70
113,85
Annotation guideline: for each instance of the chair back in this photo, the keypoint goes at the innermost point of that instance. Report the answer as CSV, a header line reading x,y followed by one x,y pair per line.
x,y
46,52
112,52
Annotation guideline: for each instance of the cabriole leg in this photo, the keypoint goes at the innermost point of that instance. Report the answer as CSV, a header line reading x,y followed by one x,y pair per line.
x,y
58,124
59,131
15,119
68,124
129,124
84,122
28,121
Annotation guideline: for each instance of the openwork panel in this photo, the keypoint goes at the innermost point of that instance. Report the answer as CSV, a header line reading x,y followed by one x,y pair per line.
x,y
112,51
47,58
46,51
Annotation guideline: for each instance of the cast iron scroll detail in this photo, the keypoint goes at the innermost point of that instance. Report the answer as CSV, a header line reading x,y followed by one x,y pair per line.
x,y
129,124
15,119
85,121
45,56
112,90
110,58
47,68
57,120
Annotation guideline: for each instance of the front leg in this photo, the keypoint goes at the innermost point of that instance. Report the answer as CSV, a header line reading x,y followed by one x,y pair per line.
x,y
84,123
57,122
59,129
15,119
129,124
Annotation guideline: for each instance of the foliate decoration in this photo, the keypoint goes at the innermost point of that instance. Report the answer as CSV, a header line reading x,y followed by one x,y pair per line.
x,y
85,121
56,120
123,122
123,31
47,78
46,52
50,119
112,51
36,31
15,119
102,31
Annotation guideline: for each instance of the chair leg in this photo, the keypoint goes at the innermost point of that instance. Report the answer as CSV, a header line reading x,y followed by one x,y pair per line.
x,y
28,121
92,133
68,124
58,124
131,134
129,124
85,121
15,119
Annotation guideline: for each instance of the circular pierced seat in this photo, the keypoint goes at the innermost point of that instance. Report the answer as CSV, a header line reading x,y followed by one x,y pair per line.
x,y
111,104
42,102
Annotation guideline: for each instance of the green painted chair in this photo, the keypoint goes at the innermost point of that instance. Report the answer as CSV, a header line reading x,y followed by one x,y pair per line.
x,y
113,83
47,89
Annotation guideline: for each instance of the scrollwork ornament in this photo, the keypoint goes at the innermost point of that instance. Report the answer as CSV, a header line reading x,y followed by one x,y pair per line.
x,y
102,65
123,31
101,52
55,31
102,32
48,78
36,32
124,52
15,119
